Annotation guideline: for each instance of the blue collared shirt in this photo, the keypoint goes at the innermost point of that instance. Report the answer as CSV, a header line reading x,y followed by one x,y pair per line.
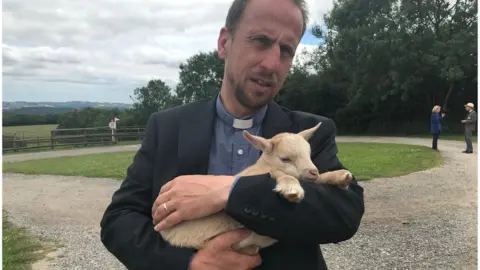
x,y
230,152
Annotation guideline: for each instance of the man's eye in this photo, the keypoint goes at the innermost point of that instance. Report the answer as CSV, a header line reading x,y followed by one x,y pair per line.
x,y
262,40
287,50
285,159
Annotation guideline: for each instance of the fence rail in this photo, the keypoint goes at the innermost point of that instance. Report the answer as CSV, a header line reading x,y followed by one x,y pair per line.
x,y
72,137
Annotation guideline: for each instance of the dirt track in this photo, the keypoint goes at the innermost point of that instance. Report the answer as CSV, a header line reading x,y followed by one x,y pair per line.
x,y
418,221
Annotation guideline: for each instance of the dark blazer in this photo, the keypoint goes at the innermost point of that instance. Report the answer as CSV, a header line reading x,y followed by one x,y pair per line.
x,y
177,142
471,121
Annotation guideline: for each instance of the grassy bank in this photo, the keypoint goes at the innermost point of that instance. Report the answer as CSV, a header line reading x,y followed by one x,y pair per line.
x,y
20,249
365,160
373,160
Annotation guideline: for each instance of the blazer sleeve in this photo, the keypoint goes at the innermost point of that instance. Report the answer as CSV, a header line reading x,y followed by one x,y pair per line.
x,y
127,227
327,214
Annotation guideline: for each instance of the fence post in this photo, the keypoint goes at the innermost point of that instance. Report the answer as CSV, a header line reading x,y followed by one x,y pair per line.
x,y
52,138
15,142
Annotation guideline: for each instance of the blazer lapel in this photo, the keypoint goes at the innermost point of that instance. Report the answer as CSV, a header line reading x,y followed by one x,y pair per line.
x,y
196,132
195,137
276,121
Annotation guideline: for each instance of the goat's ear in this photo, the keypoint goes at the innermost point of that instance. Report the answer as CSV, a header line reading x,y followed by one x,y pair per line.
x,y
258,142
308,133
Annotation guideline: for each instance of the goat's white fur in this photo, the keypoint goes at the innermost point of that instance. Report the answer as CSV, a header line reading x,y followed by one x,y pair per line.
x,y
294,149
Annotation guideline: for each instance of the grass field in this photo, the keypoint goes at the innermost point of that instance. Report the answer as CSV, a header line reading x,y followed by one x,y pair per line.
x,y
448,137
69,147
30,131
20,249
372,160
365,160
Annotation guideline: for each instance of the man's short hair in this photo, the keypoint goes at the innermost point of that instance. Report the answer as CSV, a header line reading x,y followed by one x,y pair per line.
x,y
237,8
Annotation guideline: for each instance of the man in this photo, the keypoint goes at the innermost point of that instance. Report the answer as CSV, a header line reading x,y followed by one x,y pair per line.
x,y
469,122
191,152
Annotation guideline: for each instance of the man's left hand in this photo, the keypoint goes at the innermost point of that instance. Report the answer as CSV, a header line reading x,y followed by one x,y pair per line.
x,y
190,197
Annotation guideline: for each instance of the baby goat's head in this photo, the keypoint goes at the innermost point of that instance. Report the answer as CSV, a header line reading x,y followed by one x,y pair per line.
x,y
288,152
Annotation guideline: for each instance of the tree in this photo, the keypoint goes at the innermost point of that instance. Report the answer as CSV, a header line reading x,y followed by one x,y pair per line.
x,y
450,33
395,59
200,77
154,97
87,117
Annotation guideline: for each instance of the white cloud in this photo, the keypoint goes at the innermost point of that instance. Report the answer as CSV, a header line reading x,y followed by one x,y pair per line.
x,y
106,42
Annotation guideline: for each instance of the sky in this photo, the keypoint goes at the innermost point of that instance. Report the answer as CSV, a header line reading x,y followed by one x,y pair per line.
x,y
59,50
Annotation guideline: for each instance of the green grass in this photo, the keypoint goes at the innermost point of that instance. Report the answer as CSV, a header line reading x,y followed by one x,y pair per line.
x,y
372,160
448,137
110,165
365,160
20,249
33,131
69,147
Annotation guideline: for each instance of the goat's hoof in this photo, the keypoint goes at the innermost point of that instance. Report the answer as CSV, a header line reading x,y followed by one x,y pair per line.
x,y
251,250
291,192
346,179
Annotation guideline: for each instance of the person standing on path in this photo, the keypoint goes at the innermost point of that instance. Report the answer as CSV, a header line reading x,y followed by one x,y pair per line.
x,y
436,125
469,122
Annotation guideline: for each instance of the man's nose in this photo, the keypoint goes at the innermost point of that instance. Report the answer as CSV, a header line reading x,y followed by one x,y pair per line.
x,y
271,59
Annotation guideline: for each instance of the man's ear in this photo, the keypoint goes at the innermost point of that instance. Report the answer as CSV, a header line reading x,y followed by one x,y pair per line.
x,y
223,42
308,133
260,143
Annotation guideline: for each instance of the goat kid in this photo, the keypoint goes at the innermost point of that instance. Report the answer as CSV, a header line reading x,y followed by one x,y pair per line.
x,y
286,157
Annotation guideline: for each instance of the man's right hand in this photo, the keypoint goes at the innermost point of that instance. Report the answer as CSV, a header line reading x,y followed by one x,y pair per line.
x,y
219,255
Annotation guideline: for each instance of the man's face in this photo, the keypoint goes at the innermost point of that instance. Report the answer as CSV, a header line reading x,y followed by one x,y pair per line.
x,y
260,52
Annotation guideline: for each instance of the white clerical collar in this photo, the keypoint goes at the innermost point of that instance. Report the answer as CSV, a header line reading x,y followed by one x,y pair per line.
x,y
242,124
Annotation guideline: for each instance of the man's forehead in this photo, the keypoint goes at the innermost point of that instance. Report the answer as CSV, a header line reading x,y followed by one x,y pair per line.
x,y
258,16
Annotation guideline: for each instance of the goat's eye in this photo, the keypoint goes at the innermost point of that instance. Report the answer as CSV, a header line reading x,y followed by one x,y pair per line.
x,y
285,159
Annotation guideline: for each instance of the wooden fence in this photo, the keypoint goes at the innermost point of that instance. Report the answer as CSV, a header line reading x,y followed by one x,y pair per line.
x,y
71,138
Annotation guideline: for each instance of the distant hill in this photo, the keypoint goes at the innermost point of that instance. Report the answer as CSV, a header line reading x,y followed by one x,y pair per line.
x,y
22,107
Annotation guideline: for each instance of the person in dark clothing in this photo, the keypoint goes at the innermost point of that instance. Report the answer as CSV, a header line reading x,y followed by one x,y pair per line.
x,y
436,125
470,124
186,164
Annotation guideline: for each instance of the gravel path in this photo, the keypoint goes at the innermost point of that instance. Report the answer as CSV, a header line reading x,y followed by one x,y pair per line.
x,y
422,220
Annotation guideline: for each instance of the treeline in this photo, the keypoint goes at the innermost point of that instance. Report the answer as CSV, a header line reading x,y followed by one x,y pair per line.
x,y
381,67
14,119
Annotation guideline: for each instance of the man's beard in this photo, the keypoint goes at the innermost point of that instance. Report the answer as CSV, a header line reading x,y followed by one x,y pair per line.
x,y
242,98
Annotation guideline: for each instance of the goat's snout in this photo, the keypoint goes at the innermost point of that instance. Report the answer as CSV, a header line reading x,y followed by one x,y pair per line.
x,y
311,174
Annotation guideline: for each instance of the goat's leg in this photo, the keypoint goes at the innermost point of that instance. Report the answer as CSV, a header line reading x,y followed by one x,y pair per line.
x,y
252,244
288,186
341,178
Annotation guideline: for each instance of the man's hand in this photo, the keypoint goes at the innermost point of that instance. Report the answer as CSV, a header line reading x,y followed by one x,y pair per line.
x,y
218,254
190,197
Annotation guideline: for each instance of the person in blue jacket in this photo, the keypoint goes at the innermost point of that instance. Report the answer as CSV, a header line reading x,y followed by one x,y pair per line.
x,y
436,125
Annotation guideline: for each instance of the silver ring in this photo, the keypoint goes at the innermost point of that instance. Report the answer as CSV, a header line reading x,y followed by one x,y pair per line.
x,y
165,207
